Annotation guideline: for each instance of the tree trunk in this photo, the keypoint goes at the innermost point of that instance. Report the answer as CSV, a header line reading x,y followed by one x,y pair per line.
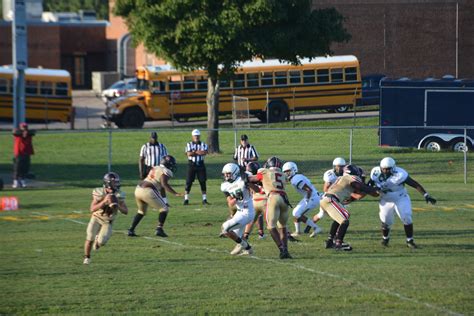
x,y
212,101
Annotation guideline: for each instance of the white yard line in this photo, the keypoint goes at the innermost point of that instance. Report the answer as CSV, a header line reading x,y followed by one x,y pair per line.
x,y
294,265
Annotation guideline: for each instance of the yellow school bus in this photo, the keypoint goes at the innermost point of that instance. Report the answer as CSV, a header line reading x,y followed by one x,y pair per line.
x,y
48,95
279,88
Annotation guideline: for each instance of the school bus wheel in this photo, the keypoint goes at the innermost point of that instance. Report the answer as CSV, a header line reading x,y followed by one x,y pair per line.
x,y
278,111
132,118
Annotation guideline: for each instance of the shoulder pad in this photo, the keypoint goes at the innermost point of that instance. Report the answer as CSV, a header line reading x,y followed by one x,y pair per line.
x,y
98,192
329,176
224,186
375,173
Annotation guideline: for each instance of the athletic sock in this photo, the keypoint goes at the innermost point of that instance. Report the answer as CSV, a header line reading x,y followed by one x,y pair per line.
x,y
204,197
162,218
297,228
408,231
310,222
138,217
165,199
186,196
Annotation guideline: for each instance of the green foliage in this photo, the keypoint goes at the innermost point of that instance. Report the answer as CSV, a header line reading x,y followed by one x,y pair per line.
x,y
204,34
101,7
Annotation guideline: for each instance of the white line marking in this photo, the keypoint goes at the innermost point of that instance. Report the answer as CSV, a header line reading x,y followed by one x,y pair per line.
x,y
286,263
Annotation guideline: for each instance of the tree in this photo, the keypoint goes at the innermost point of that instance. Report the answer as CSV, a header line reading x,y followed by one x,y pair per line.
x,y
217,35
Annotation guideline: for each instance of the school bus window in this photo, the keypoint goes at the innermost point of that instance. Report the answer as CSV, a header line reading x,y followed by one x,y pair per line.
x,y
280,78
202,83
3,85
323,75
10,86
252,80
157,86
174,83
350,74
308,76
61,88
336,75
239,81
295,77
189,83
31,87
223,83
46,88
267,78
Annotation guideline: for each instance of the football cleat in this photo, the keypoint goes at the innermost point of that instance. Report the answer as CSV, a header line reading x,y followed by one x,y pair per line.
x,y
329,243
384,242
86,260
284,254
316,232
204,202
131,233
411,244
246,252
262,236
186,202
237,249
160,232
342,247
295,235
292,239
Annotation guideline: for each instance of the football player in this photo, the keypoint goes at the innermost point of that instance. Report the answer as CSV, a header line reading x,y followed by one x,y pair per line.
x,y
107,201
394,198
339,193
259,203
276,215
237,194
309,202
329,177
147,193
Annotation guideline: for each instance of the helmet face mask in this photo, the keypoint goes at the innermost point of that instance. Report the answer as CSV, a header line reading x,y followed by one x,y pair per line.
x,y
290,169
112,181
386,165
354,170
230,172
338,165
169,162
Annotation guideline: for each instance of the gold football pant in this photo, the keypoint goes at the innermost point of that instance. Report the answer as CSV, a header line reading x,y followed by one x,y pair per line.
x,y
276,213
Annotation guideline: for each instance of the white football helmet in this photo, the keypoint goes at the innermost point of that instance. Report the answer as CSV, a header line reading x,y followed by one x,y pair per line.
x,y
339,162
230,172
387,163
291,167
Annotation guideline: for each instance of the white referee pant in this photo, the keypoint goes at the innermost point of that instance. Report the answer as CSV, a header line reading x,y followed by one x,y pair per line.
x,y
241,218
304,206
399,203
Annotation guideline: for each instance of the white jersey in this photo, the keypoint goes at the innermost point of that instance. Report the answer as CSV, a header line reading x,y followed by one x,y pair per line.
x,y
298,181
391,187
330,176
239,190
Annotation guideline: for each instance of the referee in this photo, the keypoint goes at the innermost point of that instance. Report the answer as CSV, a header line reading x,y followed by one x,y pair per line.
x,y
245,153
196,150
150,156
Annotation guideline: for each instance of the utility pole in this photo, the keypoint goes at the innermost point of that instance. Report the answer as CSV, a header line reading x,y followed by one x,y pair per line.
x,y
20,60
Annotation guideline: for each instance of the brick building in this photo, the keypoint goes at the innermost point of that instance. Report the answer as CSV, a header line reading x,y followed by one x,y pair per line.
x,y
79,48
413,38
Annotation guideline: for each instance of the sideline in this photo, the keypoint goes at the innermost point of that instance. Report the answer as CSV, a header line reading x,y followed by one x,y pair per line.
x,y
286,263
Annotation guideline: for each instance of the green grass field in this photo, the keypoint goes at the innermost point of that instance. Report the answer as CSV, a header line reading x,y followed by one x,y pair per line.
x,y
191,272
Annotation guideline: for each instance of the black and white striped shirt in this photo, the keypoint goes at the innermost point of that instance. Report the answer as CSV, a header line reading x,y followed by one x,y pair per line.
x,y
246,152
192,146
153,153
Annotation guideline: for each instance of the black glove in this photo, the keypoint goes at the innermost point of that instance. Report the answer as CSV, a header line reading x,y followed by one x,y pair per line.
x,y
429,199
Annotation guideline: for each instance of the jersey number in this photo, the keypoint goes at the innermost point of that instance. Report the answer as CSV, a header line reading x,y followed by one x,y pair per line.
x,y
278,183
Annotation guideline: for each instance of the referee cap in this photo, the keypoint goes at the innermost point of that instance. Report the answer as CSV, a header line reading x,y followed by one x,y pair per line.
x,y
196,132
244,137
154,135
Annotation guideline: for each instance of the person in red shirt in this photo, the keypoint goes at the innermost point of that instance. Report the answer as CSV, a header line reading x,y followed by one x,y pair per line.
x,y
22,150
